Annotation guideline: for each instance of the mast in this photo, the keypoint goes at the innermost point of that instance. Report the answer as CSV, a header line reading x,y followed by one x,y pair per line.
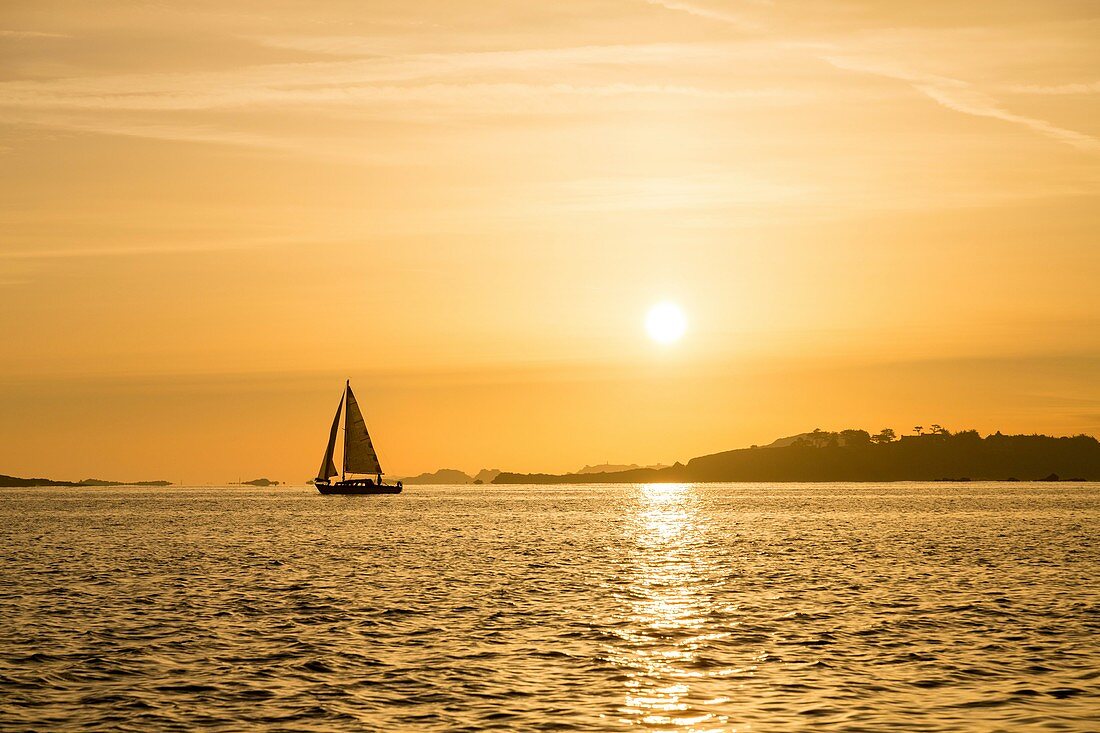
x,y
344,465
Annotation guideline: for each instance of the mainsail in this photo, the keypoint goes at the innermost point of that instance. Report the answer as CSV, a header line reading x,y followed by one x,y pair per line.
x,y
328,468
359,455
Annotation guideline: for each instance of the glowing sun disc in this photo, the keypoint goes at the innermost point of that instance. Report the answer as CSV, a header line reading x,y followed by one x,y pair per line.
x,y
665,323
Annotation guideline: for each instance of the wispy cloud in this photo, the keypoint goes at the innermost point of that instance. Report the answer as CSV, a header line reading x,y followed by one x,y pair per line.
x,y
703,11
30,34
950,93
959,96
353,80
1057,89
981,105
564,80
697,191
441,94
154,131
211,244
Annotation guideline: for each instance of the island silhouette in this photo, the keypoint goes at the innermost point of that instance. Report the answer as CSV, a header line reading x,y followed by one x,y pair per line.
x,y
15,481
260,482
856,455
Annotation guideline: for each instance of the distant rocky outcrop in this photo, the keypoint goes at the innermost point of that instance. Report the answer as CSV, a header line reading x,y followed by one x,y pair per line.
x,y
618,468
855,455
15,481
442,476
452,476
486,475
259,482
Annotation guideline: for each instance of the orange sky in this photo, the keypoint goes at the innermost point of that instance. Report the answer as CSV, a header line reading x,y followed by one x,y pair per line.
x,y
874,213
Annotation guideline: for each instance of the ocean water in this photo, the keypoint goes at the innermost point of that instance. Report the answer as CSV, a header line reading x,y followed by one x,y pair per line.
x,y
739,607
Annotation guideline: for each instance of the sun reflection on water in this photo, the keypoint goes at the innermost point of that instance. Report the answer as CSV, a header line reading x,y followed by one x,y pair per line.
x,y
666,607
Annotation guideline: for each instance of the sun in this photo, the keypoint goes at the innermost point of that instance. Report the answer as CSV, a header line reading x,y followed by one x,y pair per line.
x,y
665,323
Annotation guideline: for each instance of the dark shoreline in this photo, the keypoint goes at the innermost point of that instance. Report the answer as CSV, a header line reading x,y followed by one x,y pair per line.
x,y
606,482
14,482
854,456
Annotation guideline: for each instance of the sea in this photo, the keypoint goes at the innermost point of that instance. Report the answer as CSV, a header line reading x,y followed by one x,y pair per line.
x,y
655,607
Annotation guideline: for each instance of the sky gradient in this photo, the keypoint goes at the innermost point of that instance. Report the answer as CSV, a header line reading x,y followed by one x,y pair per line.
x,y
874,213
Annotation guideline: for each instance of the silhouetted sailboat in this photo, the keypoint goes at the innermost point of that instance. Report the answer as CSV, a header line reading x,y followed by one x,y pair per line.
x,y
359,454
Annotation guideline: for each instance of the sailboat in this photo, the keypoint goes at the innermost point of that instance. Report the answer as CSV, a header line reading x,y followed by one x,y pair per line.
x,y
359,455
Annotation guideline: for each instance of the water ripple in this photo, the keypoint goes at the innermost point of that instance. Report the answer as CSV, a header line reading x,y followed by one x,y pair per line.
x,y
654,607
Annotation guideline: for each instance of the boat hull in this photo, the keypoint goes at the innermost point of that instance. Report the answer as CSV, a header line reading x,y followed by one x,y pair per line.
x,y
357,487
